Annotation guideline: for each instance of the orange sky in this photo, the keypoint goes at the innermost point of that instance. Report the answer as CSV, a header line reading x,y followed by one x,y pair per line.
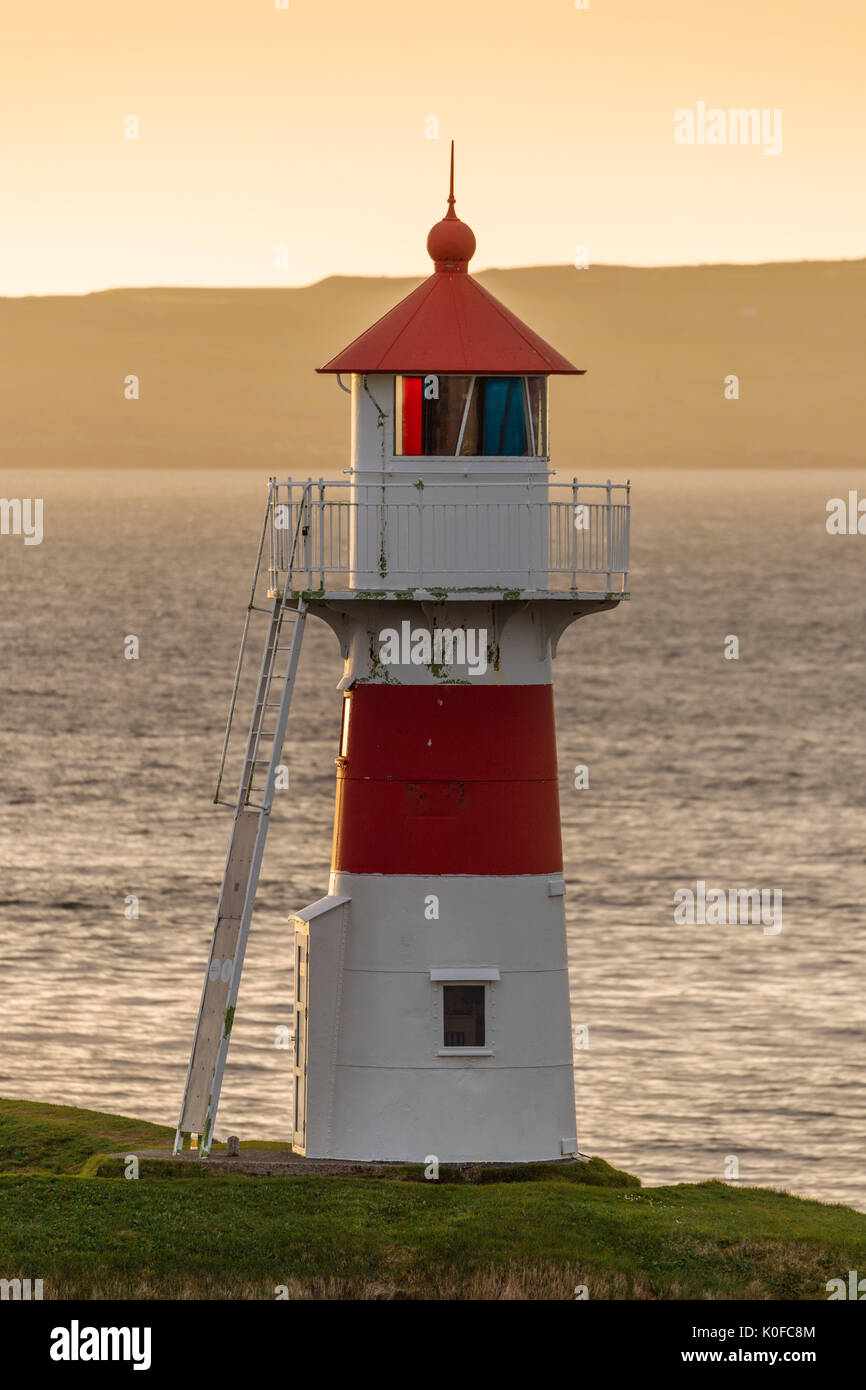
x,y
305,127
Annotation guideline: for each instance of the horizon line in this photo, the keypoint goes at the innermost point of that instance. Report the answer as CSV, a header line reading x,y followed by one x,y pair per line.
x,y
486,270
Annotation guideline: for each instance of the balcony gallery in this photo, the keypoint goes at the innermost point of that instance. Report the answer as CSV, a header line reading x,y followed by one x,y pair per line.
x,y
514,538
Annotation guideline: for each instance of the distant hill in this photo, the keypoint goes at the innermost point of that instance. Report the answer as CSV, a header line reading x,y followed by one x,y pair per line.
x,y
227,376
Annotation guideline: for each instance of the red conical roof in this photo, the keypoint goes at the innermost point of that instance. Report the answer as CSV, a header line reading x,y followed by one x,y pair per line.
x,y
450,323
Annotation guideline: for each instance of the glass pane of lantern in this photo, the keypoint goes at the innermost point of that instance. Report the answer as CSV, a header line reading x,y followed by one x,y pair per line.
x,y
413,387
429,412
538,409
469,445
443,416
463,1015
504,428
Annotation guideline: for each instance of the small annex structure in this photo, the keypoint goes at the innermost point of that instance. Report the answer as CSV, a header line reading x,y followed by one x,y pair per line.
x,y
432,1010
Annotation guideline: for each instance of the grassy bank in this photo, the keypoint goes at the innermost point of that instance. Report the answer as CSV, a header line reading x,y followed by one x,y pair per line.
x,y
68,1216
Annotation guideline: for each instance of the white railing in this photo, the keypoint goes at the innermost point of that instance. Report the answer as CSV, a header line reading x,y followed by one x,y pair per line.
x,y
327,536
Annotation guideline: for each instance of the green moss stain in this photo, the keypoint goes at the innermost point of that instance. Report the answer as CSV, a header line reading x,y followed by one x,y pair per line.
x,y
377,671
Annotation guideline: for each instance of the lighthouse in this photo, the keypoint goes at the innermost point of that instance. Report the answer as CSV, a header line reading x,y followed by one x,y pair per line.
x,y
432,1009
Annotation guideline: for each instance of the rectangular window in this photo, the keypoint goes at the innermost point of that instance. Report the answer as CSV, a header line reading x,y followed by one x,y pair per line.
x,y
470,417
463,1015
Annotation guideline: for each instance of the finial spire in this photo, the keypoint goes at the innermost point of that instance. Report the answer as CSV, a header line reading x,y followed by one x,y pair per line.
x,y
451,243
451,212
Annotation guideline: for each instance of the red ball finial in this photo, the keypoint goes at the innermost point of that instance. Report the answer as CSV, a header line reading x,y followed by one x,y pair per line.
x,y
451,243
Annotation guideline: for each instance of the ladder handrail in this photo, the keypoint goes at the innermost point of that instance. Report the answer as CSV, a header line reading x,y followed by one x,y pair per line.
x,y
252,876
243,864
252,885
273,495
272,483
267,671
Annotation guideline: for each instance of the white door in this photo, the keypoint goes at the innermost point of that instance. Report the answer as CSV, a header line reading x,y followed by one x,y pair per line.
x,y
302,962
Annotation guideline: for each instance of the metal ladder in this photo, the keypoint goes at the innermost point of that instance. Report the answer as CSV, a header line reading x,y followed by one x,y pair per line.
x,y
246,845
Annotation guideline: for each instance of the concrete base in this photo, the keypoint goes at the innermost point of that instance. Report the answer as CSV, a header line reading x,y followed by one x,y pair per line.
x,y
269,1163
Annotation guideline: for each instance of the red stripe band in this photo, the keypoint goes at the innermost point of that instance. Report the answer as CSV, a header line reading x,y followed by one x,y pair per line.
x,y
449,780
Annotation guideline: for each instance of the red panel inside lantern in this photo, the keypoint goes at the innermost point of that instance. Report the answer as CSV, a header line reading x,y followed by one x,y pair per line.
x,y
412,397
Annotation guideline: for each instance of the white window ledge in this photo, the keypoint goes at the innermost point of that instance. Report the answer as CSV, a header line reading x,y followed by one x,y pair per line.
x,y
465,1052
466,974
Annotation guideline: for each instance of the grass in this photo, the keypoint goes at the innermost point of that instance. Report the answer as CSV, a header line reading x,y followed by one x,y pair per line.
x,y
37,1138
88,1233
